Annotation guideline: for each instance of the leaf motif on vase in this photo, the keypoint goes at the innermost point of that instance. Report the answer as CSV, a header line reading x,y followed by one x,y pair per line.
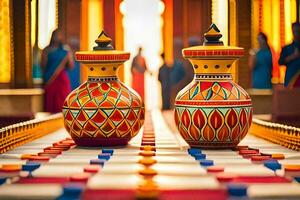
x,y
244,132
185,119
199,118
223,134
250,117
224,94
195,92
231,118
243,119
235,133
209,94
216,119
208,133
183,133
194,132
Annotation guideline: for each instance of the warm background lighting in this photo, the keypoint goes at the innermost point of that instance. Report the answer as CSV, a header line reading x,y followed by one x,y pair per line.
x,y
143,27
47,21
220,17
5,41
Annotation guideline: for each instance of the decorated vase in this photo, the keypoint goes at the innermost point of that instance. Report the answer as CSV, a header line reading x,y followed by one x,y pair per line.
x,y
213,111
103,111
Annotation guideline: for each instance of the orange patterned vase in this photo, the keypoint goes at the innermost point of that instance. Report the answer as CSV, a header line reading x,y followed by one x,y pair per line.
x,y
213,111
103,111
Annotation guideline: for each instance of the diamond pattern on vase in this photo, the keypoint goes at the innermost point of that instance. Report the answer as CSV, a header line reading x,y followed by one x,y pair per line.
x,y
75,104
90,104
82,117
84,100
97,113
107,127
106,104
99,118
122,103
76,128
116,117
135,127
90,113
123,128
131,117
74,113
96,93
68,116
107,109
90,127
92,86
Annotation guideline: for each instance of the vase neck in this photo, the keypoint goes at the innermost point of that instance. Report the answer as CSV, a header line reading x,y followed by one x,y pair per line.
x,y
211,67
102,70
223,76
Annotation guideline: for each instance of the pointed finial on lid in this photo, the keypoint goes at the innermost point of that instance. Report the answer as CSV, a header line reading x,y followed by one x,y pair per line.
x,y
212,36
103,42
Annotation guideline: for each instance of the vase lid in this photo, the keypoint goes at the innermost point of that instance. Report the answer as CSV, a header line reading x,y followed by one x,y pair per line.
x,y
213,48
102,53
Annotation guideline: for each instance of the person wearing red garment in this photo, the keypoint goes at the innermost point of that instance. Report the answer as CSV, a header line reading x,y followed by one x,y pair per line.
x,y
56,58
138,69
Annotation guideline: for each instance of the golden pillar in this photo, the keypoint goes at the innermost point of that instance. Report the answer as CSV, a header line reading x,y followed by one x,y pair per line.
x,y
91,26
5,43
21,38
119,35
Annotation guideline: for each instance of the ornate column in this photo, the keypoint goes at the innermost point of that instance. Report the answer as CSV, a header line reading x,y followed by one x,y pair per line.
x,y
21,37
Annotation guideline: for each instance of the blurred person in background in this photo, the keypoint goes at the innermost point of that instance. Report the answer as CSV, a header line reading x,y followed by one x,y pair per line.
x,y
138,69
56,58
164,77
290,57
261,64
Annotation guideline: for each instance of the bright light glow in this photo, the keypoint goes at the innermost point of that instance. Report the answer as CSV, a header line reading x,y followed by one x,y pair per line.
x,y
33,21
5,68
289,18
142,27
95,24
47,21
123,8
161,7
254,23
275,26
220,17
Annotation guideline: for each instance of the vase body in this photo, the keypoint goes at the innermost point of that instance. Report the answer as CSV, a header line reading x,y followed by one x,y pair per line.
x,y
213,111
103,111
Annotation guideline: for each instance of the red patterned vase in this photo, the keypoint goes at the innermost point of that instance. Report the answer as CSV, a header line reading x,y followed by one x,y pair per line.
x,y
213,111
103,111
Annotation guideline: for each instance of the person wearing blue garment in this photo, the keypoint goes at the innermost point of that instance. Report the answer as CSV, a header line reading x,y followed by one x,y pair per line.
x,y
260,62
290,57
56,58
